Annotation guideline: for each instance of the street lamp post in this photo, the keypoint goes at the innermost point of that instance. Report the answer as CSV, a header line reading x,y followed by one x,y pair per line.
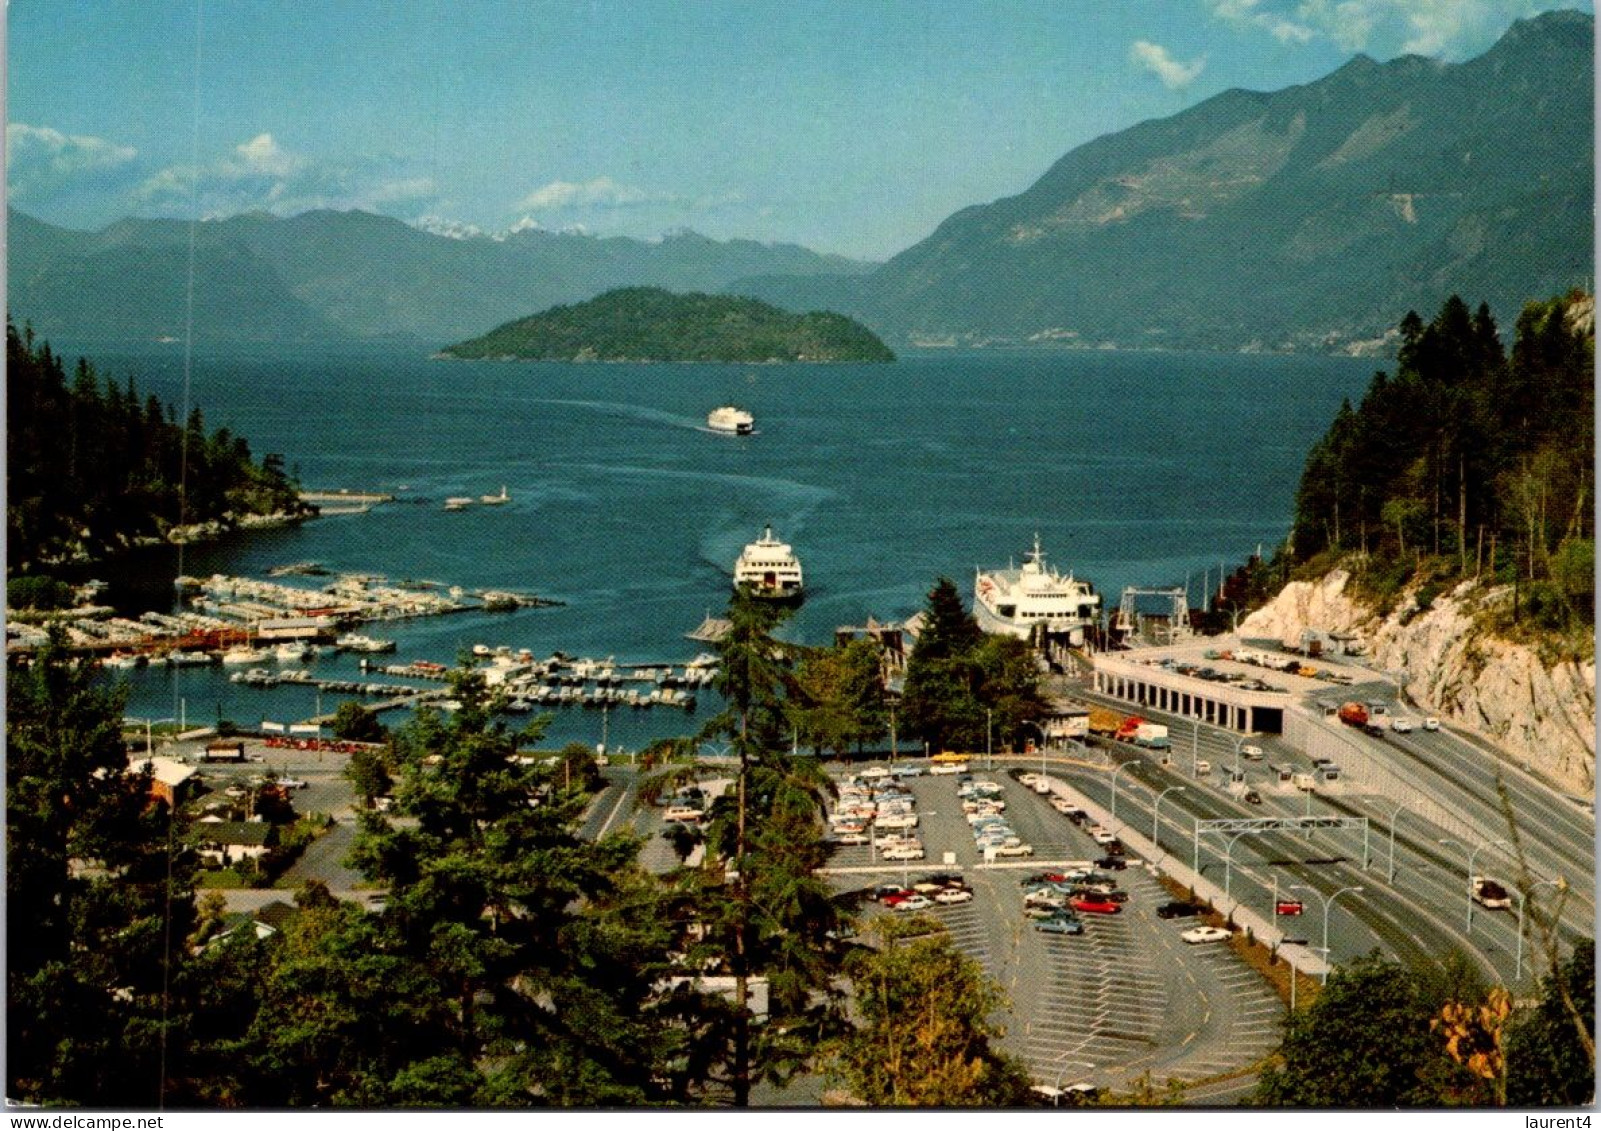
x,y
1228,866
1120,768
1328,905
1156,809
989,739
1239,743
1056,1088
1395,815
1561,884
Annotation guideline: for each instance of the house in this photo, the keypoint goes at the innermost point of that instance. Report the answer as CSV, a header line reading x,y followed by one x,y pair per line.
x,y
170,781
227,842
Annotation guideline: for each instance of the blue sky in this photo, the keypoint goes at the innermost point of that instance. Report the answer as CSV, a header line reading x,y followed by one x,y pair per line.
x,y
849,126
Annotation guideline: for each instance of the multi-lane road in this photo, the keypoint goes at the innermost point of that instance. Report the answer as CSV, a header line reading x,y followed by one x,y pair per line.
x,y
1429,787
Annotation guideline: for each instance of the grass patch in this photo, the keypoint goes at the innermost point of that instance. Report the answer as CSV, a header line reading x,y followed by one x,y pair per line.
x,y
221,879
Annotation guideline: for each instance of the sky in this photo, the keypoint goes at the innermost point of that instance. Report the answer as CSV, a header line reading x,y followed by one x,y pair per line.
x,y
848,126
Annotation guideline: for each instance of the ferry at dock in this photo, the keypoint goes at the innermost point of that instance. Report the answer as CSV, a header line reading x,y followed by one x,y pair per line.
x,y
734,421
1034,601
770,570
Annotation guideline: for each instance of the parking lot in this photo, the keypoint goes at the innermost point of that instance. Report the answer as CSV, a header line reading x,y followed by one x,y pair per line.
x,y
1124,998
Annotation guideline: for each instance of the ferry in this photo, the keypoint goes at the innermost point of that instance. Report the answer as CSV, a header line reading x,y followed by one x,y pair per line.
x,y
735,421
1034,600
496,500
769,569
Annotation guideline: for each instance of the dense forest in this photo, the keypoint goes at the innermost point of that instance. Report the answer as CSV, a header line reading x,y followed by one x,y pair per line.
x,y
92,467
1467,462
650,324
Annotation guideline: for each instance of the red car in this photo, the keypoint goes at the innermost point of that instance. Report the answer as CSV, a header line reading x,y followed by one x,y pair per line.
x,y
1289,907
1094,905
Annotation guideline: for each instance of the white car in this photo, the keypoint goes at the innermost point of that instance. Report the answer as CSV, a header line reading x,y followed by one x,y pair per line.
x,y
1205,934
953,895
1042,787
1431,723
682,813
902,852
897,821
850,838
948,768
1400,725
1015,850
913,903
1028,779
1101,836
1251,752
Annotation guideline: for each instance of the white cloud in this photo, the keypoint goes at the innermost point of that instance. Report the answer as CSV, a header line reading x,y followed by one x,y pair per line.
x,y
262,174
1156,59
1454,29
601,192
41,161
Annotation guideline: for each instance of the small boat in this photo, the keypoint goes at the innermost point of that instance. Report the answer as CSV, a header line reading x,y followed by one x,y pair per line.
x,y
355,642
495,500
734,421
243,654
124,660
458,502
292,652
189,659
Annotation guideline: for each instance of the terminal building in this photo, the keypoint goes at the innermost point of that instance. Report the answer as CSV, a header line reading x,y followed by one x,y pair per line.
x,y
1207,681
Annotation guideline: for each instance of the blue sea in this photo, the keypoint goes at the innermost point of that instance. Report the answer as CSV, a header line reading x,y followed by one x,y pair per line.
x,y
1133,468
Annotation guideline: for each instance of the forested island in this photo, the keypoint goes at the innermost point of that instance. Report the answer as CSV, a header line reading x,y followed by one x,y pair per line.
x,y
94,467
651,324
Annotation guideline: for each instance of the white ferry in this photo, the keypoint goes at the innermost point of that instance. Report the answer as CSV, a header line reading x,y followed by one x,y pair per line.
x,y
770,569
733,420
1034,600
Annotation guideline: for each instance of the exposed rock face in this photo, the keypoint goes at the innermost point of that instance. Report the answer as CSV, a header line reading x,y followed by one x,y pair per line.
x,y
1544,715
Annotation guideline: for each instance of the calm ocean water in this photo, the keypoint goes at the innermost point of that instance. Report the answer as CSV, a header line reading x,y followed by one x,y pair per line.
x,y
1133,469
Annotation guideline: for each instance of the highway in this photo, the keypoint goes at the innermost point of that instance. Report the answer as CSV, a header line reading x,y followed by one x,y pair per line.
x,y
1423,914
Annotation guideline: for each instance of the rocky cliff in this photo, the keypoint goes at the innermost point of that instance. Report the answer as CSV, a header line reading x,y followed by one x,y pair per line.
x,y
1542,713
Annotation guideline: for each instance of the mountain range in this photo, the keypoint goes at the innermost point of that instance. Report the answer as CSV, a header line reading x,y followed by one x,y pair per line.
x,y
331,276
1309,219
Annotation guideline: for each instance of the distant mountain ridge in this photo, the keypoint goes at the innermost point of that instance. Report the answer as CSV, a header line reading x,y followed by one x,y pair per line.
x,y
1299,219
651,324
331,276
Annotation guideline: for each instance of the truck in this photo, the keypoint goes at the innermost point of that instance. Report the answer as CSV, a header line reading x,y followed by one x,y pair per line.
x,y
1488,893
1105,723
1353,714
1151,735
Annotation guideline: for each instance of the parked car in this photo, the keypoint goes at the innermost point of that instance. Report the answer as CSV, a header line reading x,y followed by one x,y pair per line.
x,y
1112,863
884,891
902,852
1015,850
950,896
1178,909
1060,925
1114,847
1205,934
1094,905
906,770
684,813
913,902
851,837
